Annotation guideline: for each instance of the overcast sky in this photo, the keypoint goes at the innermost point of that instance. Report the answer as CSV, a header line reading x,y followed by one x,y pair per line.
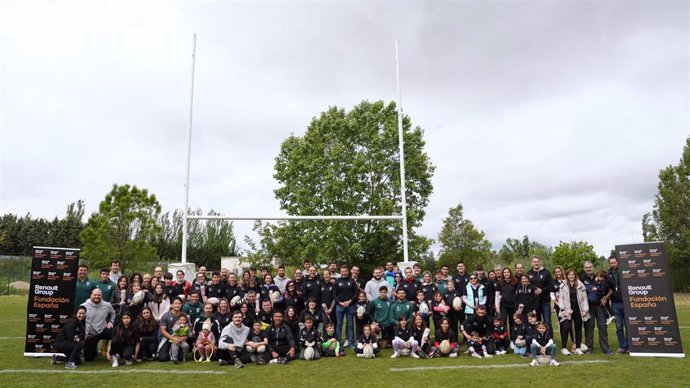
x,y
550,119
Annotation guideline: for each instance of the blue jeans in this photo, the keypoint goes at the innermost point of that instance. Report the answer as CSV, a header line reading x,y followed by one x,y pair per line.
x,y
536,350
349,313
544,314
617,308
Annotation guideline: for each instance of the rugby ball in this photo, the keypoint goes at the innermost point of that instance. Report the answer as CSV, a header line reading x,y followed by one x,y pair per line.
x,y
405,351
457,303
275,295
368,351
543,360
360,312
444,347
213,300
520,343
309,353
249,349
584,348
424,308
139,297
261,348
235,300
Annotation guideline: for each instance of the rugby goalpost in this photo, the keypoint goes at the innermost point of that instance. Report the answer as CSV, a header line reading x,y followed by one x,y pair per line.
x,y
402,217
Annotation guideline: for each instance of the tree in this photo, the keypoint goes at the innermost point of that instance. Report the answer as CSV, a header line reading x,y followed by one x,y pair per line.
x,y
123,228
574,254
208,240
460,240
347,163
669,220
521,250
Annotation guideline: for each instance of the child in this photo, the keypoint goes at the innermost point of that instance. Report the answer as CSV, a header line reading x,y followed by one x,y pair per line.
x,y
367,338
330,346
440,309
518,333
531,328
500,335
477,349
205,342
445,333
404,339
543,344
309,337
454,316
421,301
180,333
257,339
125,344
420,332
365,318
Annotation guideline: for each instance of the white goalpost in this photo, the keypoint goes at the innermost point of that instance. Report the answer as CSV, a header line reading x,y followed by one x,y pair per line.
x,y
401,217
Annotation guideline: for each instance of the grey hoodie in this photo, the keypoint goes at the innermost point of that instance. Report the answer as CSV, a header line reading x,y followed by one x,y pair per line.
x,y
238,336
97,316
372,288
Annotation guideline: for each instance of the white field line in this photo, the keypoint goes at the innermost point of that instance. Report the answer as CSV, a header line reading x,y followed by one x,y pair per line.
x,y
497,366
111,371
8,338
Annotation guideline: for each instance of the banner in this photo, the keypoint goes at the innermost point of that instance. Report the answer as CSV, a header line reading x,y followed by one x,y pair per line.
x,y
650,313
51,297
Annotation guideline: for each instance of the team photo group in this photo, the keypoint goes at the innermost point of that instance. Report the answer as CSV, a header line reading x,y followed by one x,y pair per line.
x,y
256,317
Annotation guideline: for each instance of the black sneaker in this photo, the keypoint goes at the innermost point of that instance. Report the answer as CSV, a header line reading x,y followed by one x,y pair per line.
x,y
222,362
282,360
261,361
54,360
238,363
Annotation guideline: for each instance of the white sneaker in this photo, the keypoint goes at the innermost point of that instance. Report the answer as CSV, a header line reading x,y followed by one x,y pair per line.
x,y
565,352
554,362
395,354
414,355
534,362
115,363
346,343
360,355
488,356
579,352
610,319
453,355
476,355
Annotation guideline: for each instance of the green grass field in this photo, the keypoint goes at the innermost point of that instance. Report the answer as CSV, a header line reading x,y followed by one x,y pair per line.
x,y
509,370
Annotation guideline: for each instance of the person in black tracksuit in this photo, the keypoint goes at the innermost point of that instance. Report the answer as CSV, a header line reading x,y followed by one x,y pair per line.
x,y
281,344
367,338
71,340
455,317
311,287
125,342
328,297
147,329
542,280
482,324
526,297
507,290
309,336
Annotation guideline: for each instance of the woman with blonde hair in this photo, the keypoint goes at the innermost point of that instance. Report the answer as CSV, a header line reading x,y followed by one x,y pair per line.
x,y
574,310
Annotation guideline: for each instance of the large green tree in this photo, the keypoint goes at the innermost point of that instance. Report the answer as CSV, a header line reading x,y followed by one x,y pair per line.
x,y
208,240
461,240
669,221
347,163
521,250
574,254
123,228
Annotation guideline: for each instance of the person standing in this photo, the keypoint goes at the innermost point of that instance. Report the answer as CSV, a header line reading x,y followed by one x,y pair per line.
x,y
541,278
374,285
345,293
114,271
100,317
84,285
281,279
105,284
614,294
595,293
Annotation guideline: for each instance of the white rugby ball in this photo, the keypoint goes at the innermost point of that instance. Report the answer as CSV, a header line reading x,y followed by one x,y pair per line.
x,y
275,295
261,348
584,348
520,343
368,351
405,351
457,303
360,312
213,300
235,300
424,308
543,360
309,353
444,347
139,297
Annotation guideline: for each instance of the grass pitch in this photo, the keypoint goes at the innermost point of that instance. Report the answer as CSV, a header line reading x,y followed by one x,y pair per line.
x,y
501,371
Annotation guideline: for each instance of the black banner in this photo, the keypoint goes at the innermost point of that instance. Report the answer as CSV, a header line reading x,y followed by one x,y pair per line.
x,y
51,297
650,312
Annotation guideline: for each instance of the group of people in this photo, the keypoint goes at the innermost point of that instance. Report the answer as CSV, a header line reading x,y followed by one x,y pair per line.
x,y
263,319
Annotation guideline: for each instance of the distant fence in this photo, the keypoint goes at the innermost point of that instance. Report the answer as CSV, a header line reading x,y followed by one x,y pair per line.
x,y
14,269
